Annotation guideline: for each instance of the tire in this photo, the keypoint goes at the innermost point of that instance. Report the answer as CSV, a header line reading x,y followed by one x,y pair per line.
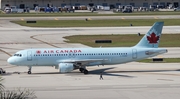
x,y
81,70
85,72
29,72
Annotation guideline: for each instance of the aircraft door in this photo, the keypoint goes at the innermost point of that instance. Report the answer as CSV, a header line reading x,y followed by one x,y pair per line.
x,y
29,56
134,53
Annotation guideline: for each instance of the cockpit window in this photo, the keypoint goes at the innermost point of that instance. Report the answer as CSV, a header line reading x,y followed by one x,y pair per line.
x,y
19,55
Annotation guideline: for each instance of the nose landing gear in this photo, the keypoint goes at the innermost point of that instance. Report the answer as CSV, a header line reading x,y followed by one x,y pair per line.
x,y
29,71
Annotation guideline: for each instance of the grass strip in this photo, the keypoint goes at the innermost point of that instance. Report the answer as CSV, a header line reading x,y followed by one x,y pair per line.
x,y
122,40
98,23
165,60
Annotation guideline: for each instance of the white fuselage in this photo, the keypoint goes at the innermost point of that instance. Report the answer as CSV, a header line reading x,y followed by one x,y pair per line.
x,y
108,56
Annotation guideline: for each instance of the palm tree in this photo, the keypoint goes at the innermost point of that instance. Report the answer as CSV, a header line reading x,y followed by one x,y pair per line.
x,y
1,85
16,93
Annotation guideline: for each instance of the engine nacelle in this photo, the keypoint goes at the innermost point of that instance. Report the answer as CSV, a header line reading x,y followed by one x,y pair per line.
x,y
66,67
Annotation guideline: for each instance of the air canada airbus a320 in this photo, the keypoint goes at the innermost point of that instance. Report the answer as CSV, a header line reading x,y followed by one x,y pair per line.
x,y
69,59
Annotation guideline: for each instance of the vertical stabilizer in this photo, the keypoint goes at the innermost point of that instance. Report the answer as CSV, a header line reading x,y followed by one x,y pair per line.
x,y
152,38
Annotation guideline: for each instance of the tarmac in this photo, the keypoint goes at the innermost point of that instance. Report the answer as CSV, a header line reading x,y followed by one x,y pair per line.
x,y
124,81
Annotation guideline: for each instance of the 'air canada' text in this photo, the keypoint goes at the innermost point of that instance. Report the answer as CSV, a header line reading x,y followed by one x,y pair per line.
x,y
58,51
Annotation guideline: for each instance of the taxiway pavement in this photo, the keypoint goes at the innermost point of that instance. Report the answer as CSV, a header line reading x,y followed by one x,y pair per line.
x,y
126,81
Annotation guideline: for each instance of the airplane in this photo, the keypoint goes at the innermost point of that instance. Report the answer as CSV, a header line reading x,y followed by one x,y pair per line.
x,y
69,59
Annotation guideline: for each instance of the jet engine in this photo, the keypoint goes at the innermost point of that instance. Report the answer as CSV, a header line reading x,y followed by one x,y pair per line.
x,y
66,67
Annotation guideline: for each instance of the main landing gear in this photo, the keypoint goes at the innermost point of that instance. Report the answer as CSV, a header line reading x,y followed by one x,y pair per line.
x,y
83,70
29,71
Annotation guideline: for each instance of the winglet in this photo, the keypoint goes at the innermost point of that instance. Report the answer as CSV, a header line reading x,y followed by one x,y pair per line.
x,y
152,38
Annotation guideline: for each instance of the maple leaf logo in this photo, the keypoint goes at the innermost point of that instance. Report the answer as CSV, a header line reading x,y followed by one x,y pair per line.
x,y
38,52
153,38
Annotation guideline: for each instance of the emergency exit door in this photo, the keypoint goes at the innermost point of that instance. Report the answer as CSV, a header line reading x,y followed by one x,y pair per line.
x,y
134,53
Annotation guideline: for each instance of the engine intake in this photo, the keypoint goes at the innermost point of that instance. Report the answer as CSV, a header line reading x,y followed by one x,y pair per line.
x,y
66,67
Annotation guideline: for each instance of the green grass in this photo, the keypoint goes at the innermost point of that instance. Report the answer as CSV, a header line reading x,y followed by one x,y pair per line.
x,y
42,14
98,23
165,60
167,40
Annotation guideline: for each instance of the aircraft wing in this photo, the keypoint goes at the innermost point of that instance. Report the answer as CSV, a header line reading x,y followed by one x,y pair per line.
x,y
83,61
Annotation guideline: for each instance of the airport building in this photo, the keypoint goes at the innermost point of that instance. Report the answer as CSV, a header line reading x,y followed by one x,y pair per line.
x,y
60,3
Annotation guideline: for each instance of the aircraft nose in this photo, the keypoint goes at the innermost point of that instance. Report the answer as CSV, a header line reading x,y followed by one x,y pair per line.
x,y
11,60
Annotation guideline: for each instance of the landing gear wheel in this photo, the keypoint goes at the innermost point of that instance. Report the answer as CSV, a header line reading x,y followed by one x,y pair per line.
x,y
81,70
85,71
29,72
